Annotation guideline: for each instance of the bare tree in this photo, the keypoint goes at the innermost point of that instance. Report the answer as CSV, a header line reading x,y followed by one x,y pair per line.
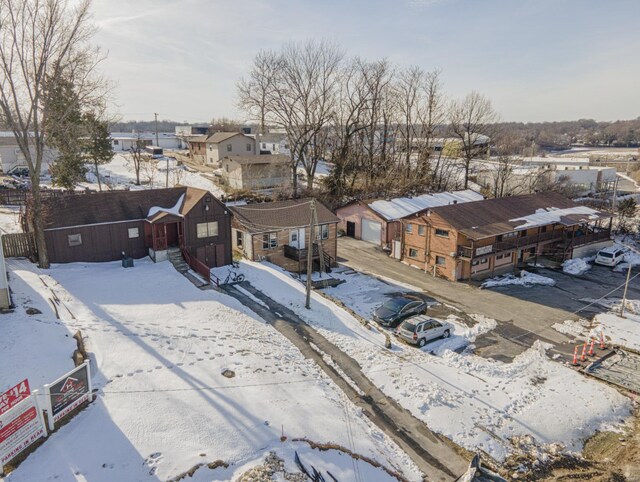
x,y
299,99
138,157
472,120
42,42
254,92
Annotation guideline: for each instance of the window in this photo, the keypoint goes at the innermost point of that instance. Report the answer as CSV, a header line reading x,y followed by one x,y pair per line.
x,y
510,235
421,229
134,233
480,262
323,232
228,147
441,260
443,233
264,145
413,253
74,240
248,147
116,142
409,228
239,239
269,240
207,230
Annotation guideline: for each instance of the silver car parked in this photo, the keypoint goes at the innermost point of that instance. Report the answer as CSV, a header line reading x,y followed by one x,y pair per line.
x,y
418,330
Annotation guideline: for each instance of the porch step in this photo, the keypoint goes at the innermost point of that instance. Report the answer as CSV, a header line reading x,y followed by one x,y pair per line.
x,y
177,260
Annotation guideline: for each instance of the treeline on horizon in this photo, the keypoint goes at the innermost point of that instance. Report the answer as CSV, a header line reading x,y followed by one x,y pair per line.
x,y
547,136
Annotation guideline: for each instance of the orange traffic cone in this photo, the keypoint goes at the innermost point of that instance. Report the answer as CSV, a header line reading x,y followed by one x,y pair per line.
x,y
584,352
593,341
602,340
575,356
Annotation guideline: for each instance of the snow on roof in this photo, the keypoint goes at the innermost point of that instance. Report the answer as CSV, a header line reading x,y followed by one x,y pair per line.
x,y
402,207
543,217
173,210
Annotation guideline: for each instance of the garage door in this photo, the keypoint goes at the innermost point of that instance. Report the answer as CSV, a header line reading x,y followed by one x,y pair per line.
x,y
371,231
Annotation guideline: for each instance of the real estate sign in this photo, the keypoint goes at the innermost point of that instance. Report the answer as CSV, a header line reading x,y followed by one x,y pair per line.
x,y
14,395
20,426
67,393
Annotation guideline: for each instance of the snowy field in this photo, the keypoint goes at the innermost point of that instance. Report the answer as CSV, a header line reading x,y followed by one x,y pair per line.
x,y
480,404
158,349
120,174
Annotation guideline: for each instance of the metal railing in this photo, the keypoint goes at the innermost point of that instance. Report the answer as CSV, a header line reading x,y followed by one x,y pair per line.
x,y
198,266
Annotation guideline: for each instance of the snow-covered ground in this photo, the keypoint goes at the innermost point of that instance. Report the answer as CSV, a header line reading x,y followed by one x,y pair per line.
x,y
120,174
481,404
10,219
623,331
158,349
526,278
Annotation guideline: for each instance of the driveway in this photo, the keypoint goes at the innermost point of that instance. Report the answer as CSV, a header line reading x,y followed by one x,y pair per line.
x,y
524,314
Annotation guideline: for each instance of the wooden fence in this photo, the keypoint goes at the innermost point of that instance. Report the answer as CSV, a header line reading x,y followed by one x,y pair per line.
x,y
18,197
19,245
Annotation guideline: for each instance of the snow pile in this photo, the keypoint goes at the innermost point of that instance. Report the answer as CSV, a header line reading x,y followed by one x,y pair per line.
x,y
525,279
462,334
480,404
630,258
175,210
620,331
543,217
576,328
401,207
577,266
158,349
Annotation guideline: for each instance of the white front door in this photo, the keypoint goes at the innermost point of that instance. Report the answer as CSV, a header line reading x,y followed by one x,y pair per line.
x,y
296,238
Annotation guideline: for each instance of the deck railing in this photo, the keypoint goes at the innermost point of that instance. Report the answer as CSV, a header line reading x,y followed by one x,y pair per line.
x,y
198,266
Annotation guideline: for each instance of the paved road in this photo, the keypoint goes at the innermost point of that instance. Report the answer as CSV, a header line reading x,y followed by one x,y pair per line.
x,y
524,314
432,453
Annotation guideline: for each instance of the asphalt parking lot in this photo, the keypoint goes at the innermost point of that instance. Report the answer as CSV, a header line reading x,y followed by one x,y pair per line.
x,y
524,314
575,294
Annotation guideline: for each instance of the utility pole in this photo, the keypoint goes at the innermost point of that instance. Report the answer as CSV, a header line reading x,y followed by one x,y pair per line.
x,y
312,229
157,141
166,184
624,296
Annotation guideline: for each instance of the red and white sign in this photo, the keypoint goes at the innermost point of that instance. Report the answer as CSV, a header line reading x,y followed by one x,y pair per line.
x,y
67,393
14,396
20,426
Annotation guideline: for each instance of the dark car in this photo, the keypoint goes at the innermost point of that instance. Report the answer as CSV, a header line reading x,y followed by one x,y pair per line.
x,y
397,309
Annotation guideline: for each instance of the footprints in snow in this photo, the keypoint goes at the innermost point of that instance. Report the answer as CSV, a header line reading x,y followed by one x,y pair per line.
x,y
152,461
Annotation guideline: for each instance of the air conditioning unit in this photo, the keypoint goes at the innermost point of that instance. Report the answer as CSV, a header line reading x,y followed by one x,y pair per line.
x,y
452,254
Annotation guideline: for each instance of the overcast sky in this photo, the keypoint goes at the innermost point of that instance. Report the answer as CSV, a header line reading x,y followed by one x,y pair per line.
x,y
535,59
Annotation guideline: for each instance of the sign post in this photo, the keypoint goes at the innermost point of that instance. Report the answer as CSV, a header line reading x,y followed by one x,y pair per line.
x,y
67,393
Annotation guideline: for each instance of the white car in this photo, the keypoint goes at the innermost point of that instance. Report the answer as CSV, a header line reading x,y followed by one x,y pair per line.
x,y
610,256
420,329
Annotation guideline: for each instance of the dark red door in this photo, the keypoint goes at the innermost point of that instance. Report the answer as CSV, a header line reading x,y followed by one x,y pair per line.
x,y
207,254
172,234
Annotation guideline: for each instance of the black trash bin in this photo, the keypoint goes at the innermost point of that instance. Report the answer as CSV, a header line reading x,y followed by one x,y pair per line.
x,y
127,262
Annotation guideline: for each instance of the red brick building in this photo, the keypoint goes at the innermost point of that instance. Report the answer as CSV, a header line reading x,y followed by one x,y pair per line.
x,y
485,238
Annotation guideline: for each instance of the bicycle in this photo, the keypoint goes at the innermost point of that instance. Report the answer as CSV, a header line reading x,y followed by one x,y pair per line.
x,y
233,277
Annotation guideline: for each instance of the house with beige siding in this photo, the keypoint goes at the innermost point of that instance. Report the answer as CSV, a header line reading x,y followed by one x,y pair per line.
x,y
485,238
256,173
280,232
228,144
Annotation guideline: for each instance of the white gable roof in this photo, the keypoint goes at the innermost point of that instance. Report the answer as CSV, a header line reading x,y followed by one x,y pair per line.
x,y
404,206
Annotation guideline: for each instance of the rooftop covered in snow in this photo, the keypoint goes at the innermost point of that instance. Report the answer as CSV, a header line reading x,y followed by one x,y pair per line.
x,y
402,207
492,217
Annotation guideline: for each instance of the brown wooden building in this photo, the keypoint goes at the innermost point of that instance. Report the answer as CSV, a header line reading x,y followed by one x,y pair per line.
x,y
485,238
279,232
103,226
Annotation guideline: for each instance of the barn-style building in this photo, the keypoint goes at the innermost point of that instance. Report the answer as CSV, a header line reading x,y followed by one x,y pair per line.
x,y
105,226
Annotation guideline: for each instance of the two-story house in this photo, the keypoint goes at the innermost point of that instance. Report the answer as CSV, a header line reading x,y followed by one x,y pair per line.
x,y
493,236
